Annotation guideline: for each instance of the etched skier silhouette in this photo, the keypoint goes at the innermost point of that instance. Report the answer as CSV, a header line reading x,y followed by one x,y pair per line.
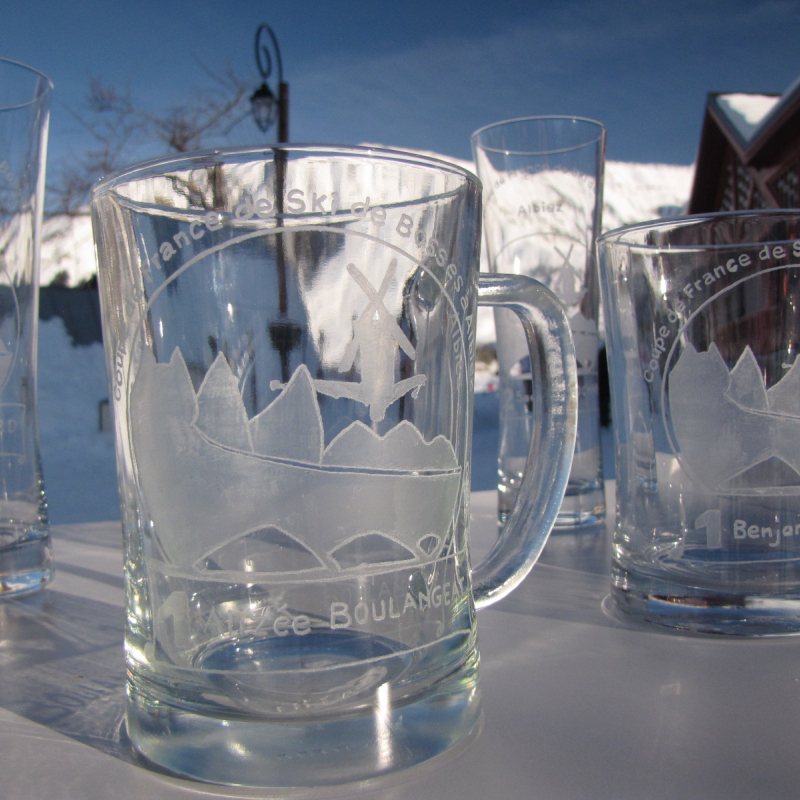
x,y
566,279
238,483
735,435
376,335
584,331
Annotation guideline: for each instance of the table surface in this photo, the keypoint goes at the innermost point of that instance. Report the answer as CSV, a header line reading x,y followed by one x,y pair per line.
x,y
577,703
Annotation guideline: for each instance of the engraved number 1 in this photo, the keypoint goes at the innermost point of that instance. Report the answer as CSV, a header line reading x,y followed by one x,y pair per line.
x,y
711,520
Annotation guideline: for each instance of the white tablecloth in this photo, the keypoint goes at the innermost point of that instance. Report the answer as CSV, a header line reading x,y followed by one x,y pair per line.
x,y
577,704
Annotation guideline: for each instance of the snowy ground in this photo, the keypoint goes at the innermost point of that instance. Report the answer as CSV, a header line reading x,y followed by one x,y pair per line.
x,y
78,458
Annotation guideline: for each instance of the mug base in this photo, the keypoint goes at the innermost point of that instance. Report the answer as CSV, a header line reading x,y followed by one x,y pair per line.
x,y
307,754
696,610
583,509
25,567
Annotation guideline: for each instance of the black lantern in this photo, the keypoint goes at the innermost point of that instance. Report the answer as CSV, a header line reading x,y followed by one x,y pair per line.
x,y
265,105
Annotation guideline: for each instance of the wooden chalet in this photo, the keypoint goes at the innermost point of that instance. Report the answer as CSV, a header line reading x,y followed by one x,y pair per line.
x,y
749,154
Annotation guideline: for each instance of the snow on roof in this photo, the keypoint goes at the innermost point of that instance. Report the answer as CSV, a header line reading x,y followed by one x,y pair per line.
x,y
746,112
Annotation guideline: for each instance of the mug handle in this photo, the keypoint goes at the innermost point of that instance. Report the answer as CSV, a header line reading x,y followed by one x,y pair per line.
x,y
555,413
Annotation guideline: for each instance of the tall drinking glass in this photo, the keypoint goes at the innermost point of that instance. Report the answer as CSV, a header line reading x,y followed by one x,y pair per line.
x,y
543,197
25,554
290,338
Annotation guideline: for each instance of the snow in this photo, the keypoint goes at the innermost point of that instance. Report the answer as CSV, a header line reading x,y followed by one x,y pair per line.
x,y
632,193
746,112
639,192
78,458
67,246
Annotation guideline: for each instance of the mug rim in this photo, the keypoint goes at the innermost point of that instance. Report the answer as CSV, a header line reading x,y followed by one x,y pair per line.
x,y
158,166
585,121
44,87
621,234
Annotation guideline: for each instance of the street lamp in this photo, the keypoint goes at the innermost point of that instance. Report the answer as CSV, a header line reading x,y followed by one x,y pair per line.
x,y
283,332
265,105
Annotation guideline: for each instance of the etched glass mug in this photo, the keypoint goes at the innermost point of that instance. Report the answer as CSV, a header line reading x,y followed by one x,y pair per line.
x,y
289,336
703,330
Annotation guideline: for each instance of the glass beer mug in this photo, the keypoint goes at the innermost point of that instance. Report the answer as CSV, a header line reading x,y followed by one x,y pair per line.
x,y
702,323
290,337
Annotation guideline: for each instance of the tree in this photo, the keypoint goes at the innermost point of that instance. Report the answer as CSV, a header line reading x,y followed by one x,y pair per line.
x,y
118,126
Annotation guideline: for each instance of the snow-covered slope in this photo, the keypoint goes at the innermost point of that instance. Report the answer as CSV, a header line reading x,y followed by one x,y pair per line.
x,y
67,246
638,192
633,193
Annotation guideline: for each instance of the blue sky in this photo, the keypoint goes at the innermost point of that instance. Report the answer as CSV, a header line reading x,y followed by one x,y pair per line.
x,y
425,73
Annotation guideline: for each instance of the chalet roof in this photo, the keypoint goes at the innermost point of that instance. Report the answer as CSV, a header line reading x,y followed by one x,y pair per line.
x,y
753,121
744,113
759,131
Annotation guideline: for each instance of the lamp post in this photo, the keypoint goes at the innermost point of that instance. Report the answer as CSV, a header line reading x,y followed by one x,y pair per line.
x,y
283,332
265,105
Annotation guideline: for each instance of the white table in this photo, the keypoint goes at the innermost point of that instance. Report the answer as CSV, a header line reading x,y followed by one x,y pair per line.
x,y
577,705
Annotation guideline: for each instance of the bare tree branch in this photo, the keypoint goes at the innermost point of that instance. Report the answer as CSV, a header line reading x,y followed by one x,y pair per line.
x,y
119,126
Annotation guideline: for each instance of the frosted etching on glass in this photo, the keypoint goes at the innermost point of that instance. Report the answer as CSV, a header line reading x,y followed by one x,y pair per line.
x,y
245,479
734,435
376,335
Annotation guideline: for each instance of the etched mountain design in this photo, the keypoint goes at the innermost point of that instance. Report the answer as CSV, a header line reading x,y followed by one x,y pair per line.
x,y
291,426
403,448
746,387
224,490
772,472
733,434
265,550
222,420
372,548
784,396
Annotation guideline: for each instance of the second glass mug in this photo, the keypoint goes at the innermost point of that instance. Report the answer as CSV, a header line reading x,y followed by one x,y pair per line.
x,y
702,325
290,340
